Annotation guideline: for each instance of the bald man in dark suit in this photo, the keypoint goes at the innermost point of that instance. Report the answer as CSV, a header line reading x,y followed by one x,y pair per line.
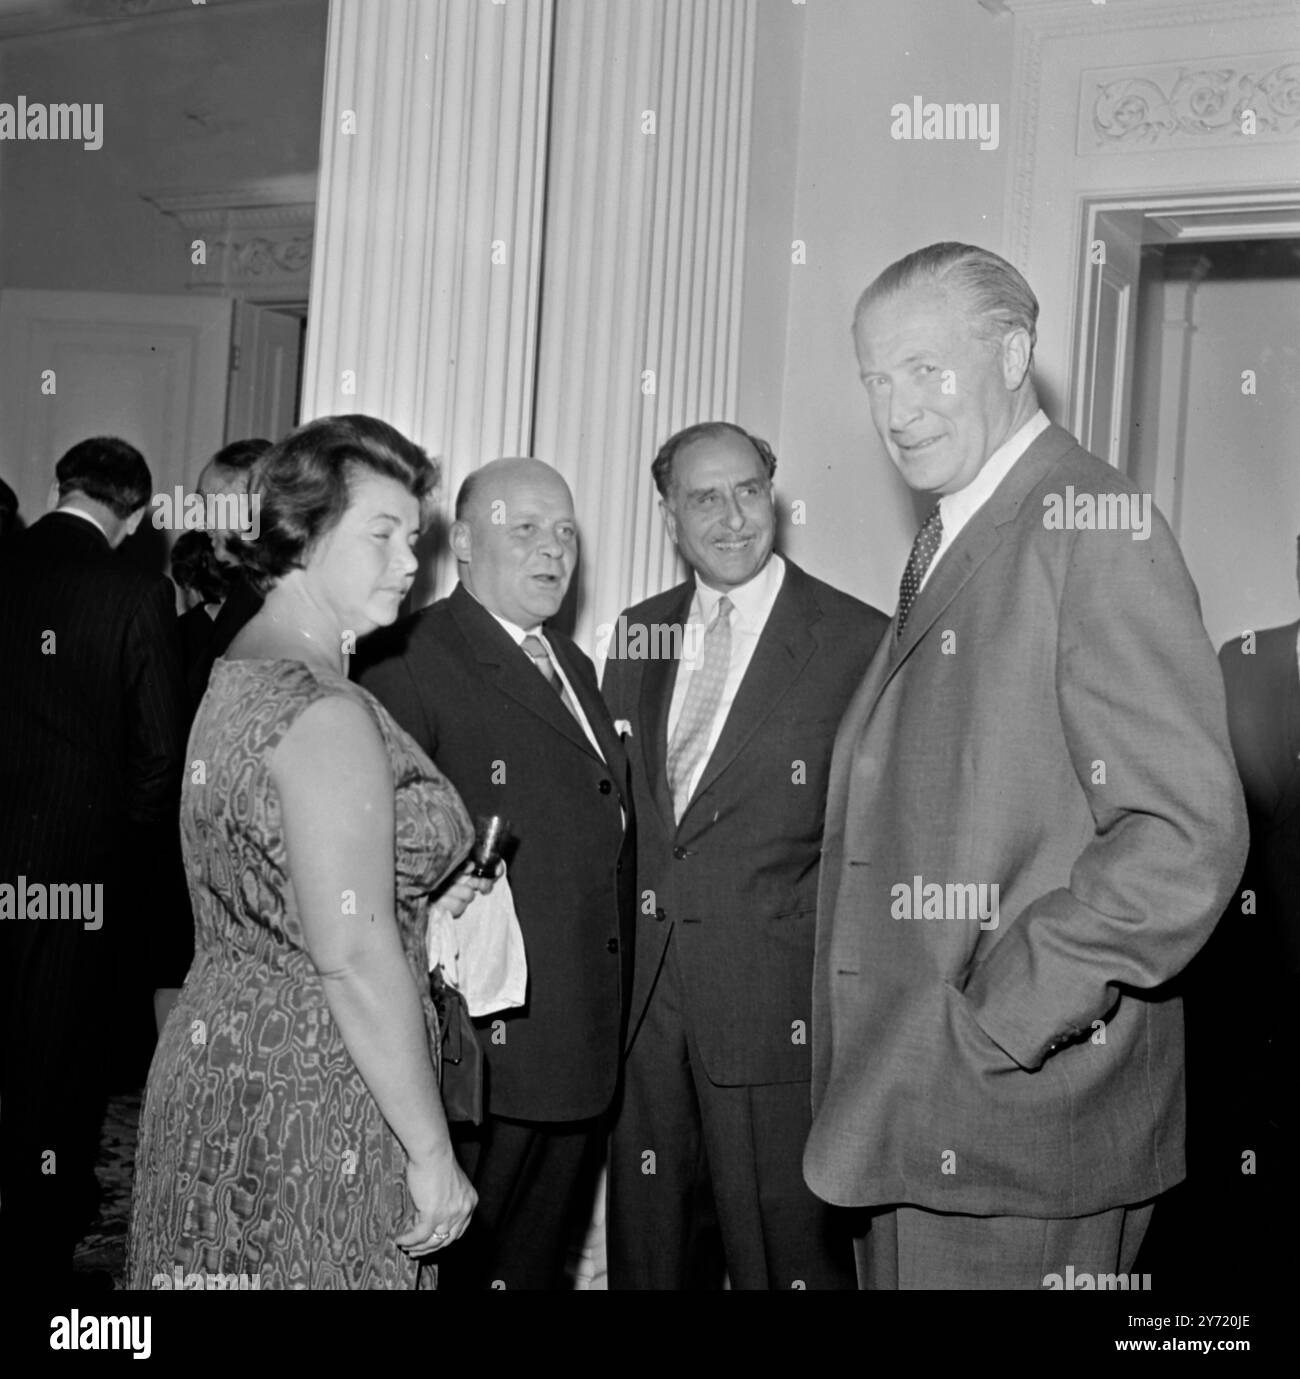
x,y
507,708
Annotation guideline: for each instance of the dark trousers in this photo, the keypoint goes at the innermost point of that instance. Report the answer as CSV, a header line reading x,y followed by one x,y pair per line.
x,y
703,1178
536,1183
52,1090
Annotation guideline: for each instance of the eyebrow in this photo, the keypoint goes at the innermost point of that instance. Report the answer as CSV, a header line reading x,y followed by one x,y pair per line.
x,y
915,357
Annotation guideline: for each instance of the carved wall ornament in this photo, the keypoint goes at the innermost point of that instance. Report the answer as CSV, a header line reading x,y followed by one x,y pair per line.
x,y
1181,104
257,237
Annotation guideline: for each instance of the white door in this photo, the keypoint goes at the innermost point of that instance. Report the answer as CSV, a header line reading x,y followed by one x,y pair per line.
x,y
263,373
1103,395
150,369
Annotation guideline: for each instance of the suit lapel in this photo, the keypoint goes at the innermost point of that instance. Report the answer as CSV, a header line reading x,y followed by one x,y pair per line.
x,y
508,666
597,716
784,648
657,683
978,539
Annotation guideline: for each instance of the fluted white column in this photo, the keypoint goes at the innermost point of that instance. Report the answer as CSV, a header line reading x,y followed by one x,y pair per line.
x,y
427,257
645,227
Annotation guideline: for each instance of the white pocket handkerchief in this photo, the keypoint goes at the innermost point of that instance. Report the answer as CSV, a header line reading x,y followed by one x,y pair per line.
x,y
482,952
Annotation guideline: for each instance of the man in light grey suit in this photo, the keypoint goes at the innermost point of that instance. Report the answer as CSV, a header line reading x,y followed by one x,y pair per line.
x,y
1033,823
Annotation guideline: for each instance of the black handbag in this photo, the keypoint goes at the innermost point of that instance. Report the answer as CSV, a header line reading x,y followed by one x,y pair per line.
x,y
462,1055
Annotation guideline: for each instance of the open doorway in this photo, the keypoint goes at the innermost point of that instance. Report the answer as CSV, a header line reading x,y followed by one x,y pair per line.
x,y
264,397
1186,377
1215,420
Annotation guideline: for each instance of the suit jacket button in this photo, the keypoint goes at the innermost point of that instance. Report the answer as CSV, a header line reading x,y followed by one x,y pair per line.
x,y
612,945
605,787
679,853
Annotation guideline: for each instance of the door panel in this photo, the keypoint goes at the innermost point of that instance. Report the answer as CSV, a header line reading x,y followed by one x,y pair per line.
x,y
1108,321
151,369
263,373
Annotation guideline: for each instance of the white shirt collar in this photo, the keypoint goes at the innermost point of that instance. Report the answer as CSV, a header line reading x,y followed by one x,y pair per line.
x,y
85,517
956,509
517,633
752,600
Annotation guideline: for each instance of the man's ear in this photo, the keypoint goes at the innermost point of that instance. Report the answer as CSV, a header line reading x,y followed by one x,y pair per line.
x,y
1017,355
52,497
133,522
461,541
670,519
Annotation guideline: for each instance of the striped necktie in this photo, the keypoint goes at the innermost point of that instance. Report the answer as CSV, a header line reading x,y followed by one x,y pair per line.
x,y
703,695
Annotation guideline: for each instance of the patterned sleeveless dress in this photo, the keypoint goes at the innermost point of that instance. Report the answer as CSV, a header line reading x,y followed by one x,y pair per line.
x,y
262,1152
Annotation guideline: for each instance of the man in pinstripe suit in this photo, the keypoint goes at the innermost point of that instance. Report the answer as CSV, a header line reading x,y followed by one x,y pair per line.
x,y
92,704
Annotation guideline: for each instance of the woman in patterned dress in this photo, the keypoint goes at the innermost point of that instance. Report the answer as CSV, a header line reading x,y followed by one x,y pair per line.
x,y
292,1130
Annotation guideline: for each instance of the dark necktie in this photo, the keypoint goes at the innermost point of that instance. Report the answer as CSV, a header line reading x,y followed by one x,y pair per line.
x,y
923,549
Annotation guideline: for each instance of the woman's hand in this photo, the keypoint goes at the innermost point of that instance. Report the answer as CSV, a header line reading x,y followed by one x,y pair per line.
x,y
444,1201
455,899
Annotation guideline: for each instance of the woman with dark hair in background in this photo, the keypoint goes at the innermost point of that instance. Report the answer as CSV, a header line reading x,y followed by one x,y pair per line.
x,y
220,599
227,591
204,583
292,1129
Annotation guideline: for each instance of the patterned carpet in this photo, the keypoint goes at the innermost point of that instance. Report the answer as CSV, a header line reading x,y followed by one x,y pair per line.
x,y
102,1250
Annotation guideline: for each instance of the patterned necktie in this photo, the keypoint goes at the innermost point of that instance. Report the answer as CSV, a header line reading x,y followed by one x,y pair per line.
x,y
536,648
703,695
923,549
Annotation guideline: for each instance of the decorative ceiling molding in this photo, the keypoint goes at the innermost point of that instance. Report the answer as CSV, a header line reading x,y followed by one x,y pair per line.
x,y
256,238
32,18
1180,105
1040,22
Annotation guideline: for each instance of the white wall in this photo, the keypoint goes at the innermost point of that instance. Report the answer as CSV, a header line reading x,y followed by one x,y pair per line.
x,y
862,200
1240,510
201,98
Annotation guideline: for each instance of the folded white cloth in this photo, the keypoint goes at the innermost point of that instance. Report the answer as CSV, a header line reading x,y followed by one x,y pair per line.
x,y
482,952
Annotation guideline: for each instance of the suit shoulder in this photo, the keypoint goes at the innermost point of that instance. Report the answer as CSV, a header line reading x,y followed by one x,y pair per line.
x,y
407,635
843,607
129,587
658,607
1088,473
1264,642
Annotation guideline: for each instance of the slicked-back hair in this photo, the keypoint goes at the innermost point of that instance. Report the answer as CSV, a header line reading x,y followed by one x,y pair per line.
x,y
662,466
239,457
305,485
108,470
993,293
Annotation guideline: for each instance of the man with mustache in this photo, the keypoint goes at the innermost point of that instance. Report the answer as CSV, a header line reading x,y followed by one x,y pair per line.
x,y
509,710
1003,1087
730,749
